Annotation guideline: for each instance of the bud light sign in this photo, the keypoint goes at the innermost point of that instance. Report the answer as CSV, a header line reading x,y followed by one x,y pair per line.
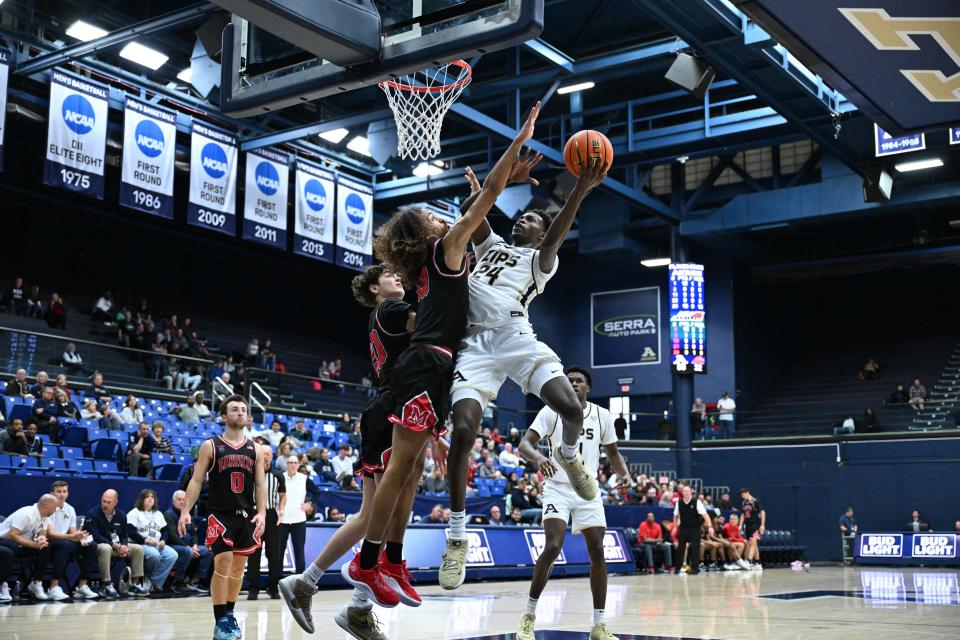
x,y
149,150
213,179
354,224
314,212
265,201
76,135
537,541
881,545
613,550
930,545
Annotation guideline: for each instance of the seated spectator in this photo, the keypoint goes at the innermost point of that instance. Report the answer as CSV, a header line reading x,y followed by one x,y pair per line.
x,y
252,352
899,396
97,391
56,312
274,436
18,387
73,360
15,298
349,483
188,412
343,464
103,309
507,457
870,424
13,439
918,395
731,532
847,426
324,466
334,515
108,526
666,500
62,385
650,537
435,516
516,518
126,326
161,444
110,418
300,432
23,535
436,483
188,377
43,381
193,559
68,542
324,372
45,411
723,502
132,413
284,451
66,408
268,359
871,370
520,498
147,526
649,499
34,303
140,447
89,410
917,523
34,444
495,517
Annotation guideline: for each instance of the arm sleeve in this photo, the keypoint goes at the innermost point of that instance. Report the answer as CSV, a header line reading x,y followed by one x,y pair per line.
x,y
545,423
608,434
480,249
392,316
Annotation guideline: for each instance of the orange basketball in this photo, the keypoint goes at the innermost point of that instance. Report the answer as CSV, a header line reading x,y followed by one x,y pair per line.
x,y
584,145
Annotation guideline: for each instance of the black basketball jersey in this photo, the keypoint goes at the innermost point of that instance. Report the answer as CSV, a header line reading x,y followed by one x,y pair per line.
x,y
232,476
444,301
388,337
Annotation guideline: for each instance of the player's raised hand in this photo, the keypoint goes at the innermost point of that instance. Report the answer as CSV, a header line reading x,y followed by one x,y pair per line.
x,y
522,166
592,172
472,179
526,131
259,524
548,468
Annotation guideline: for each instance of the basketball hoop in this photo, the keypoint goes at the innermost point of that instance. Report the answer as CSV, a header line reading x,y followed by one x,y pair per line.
x,y
419,102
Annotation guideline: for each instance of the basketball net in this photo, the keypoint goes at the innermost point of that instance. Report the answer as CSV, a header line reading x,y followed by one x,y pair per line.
x,y
419,102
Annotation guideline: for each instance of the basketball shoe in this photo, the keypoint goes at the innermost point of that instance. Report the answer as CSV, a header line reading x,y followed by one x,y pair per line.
x,y
527,623
453,569
600,632
371,582
398,579
360,623
298,594
583,483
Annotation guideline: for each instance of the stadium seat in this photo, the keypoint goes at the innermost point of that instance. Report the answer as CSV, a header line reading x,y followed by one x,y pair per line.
x,y
51,451
76,437
105,466
82,465
105,449
169,472
57,465
71,452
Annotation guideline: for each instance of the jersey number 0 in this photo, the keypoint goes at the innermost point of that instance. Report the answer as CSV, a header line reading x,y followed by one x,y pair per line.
x,y
236,482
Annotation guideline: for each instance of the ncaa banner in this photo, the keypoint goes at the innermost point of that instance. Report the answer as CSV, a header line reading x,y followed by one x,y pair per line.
x,y
354,224
313,226
625,327
213,179
76,135
149,148
265,201
4,76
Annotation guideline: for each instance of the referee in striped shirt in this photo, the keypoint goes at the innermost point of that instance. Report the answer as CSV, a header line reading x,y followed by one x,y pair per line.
x,y
276,499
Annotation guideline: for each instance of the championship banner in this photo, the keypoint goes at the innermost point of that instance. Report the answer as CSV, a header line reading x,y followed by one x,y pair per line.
x,y
354,224
76,135
625,327
265,198
313,226
213,179
149,149
4,76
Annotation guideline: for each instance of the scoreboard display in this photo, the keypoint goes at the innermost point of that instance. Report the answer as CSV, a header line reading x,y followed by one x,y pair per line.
x,y
688,319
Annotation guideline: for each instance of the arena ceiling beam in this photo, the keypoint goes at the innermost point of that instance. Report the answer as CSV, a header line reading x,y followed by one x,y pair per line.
x,y
120,36
551,54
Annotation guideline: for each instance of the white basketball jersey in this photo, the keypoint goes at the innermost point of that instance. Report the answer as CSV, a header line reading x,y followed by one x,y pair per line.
x,y
504,282
597,430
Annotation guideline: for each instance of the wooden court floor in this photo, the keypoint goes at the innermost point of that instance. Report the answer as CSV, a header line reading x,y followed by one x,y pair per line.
x,y
819,604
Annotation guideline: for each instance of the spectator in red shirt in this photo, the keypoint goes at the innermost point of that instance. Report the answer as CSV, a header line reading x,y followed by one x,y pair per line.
x,y
650,536
731,531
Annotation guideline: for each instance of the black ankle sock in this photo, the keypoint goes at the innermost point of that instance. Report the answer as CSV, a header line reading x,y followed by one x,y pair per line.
x,y
394,552
369,553
219,610
230,606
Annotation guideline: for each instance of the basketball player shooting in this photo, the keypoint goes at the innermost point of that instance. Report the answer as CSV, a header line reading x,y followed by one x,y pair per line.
x,y
561,503
500,344
235,465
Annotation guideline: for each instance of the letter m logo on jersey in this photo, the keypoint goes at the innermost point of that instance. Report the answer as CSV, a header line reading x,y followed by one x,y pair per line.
x,y
418,413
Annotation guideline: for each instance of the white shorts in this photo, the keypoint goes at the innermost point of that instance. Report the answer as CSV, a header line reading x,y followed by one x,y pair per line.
x,y
486,359
560,501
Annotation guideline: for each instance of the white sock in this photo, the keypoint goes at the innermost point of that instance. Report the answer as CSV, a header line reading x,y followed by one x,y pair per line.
x,y
532,606
458,525
568,451
313,574
597,616
360,600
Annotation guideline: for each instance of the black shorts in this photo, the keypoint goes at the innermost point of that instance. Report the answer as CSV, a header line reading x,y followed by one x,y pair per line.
x,y
749,530
421,388
376,434
231,532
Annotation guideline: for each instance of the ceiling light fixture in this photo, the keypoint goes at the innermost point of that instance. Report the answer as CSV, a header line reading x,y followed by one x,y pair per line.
x,y
334,135
360,145
656,262
85,31
150,58
580,86
917,165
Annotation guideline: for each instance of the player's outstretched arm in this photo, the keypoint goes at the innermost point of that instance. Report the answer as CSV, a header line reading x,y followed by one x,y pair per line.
x,y
455,242
591,175
618,463
200,469
528,449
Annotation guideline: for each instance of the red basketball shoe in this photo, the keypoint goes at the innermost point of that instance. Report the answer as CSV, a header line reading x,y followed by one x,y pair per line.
x,y
398,578
371,582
